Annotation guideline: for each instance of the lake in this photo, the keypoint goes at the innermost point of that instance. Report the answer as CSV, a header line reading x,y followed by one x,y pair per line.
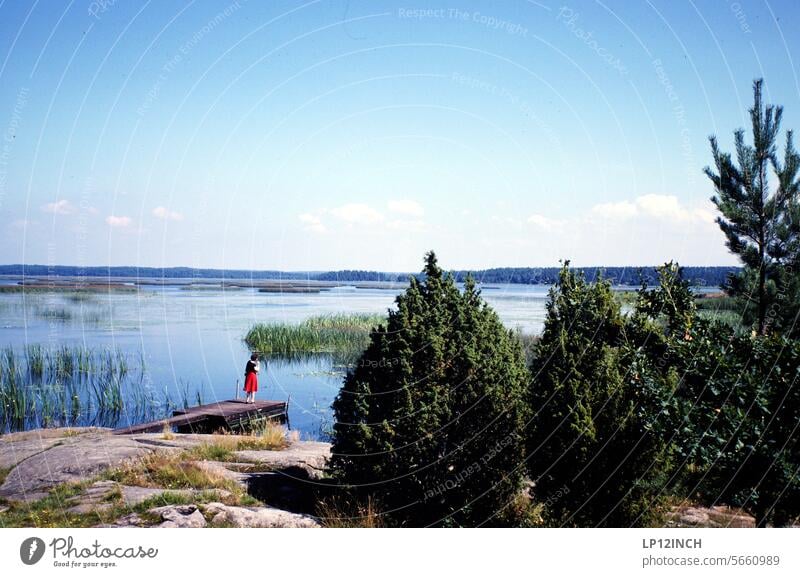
x,y
185,345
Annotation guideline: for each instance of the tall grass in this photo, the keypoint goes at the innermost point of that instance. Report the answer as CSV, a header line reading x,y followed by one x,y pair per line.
x,y
70,385
335,333
724,309
58,314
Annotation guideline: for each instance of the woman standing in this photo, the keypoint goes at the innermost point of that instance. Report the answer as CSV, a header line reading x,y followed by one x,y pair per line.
x,y
251,378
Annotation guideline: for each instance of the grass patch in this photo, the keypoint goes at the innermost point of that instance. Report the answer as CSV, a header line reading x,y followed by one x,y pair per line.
x,y
169,471
4,471
341,512
164,470
263,436
50,511
239,498
721,308
216,451
319,334
717,302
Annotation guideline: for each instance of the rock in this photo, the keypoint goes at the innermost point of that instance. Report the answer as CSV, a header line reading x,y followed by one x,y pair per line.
x,y
257,517
75,459
216,468
694,516
716,516
180,516
132,520
133,496
308,455
85,508
20,446
95,498
42,459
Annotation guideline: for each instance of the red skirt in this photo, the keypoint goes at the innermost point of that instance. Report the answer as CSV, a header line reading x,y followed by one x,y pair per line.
x,y
251,383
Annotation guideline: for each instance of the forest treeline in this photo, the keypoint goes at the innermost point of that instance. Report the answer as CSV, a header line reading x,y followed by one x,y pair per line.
x,y
710,276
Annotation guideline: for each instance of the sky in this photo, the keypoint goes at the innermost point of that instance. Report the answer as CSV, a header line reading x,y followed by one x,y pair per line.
x,y
333,134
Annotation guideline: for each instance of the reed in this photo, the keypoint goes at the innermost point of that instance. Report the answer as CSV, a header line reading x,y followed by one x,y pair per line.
x,y
335,333
70,385
58,314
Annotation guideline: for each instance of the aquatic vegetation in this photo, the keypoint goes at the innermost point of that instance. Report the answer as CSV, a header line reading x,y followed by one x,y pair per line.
x,y
336,333
58,314
71,385
79,297
724,309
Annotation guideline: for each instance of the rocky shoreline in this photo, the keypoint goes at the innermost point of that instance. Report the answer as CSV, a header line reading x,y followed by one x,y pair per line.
x,y
89,477
94,478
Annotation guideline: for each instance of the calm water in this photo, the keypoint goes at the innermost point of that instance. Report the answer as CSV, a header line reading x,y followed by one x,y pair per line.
x,y
192,340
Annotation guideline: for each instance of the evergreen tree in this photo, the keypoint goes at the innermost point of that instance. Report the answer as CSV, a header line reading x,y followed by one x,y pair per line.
x,y
594,455
758,225
429,421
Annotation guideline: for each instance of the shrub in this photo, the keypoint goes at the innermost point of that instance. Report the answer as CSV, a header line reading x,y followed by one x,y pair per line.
x,y
595,453
429,421
735,413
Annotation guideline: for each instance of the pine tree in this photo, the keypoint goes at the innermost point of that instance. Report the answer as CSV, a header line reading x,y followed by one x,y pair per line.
x,y
758,224
428,423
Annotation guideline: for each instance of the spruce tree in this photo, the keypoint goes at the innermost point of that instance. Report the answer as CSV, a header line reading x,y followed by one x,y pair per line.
x,y
758,224
429,421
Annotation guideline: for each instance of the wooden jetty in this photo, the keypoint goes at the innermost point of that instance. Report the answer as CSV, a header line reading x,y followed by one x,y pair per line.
x,y
226,415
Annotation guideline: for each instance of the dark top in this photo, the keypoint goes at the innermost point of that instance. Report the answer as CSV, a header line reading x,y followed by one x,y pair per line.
x,y
251,367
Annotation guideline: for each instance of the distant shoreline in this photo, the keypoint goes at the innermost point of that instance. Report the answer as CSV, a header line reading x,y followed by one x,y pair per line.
x,y
628,275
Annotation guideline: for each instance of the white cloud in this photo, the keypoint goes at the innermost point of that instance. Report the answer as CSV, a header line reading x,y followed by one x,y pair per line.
x,y
166,214
544,222
406,207
58,207
118,221
615,210
357,213
312,223
663,207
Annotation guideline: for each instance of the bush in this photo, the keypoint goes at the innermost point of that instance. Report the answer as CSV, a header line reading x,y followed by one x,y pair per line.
x,y
757,465
429,421
735,413
595,452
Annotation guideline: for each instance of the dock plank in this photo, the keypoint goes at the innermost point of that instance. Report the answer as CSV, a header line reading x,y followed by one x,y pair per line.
x,y
228,413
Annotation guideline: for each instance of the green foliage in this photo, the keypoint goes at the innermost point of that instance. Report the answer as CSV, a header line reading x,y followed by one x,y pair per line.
x,y
672,300
735,411
429,421
757,461
761,227
595,453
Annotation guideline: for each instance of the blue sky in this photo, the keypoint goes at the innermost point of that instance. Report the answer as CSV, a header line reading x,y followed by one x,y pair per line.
x,y
332,134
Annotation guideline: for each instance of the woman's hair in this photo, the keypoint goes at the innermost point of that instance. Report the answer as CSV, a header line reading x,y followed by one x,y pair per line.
x,y
254,357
